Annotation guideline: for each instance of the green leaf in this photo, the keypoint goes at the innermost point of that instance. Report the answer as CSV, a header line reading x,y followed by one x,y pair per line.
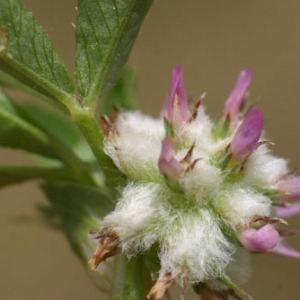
x,y
15,132
122,95
19,131
60,127
27,54
80,208
9,82
14,175
105,33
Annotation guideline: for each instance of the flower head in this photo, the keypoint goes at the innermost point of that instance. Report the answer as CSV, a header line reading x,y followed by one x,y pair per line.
x,y
199,199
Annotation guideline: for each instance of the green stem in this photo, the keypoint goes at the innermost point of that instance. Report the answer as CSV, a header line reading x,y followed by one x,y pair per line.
x,y
80,169
129,281
89,127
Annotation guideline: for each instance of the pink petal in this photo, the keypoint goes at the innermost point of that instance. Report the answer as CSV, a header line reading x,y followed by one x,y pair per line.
x,y
289,211
284,249
236,99
168,165
289,188
176,107
246,139
261,240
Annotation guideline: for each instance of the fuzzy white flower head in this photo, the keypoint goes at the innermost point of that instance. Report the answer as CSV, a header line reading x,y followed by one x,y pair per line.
x,y
199,193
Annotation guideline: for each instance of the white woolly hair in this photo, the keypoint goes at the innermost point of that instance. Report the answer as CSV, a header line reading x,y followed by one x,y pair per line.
x,y
198,131
240,205
202,182
194,248
135,217
135,149
264,169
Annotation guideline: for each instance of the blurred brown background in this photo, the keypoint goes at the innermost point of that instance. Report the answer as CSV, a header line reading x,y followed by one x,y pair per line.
x,y
213,40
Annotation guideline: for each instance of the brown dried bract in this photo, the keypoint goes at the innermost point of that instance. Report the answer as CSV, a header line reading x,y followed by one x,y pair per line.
x,y
261,221
187,160
160,287
108,123
189,154
108,246
195,111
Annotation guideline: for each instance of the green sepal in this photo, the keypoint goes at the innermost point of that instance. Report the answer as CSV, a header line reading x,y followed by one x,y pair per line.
x,y
229,231
222,160
220,129
169,129
273,194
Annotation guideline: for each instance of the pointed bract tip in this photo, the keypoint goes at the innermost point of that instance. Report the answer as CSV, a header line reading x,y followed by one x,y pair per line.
x,y
160,287
237,97
108,246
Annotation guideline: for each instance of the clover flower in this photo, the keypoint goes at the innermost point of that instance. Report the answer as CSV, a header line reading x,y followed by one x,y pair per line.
x,y
203,194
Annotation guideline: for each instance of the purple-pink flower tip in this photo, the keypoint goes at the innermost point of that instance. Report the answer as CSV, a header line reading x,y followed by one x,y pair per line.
x,y
289,189
176,110
246,139
236,99
262,240
289,211
283,249
168,165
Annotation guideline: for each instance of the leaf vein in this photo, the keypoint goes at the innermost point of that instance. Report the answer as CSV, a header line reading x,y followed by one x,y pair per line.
x,y
104,18
116,12
86,53
49,61
33,40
